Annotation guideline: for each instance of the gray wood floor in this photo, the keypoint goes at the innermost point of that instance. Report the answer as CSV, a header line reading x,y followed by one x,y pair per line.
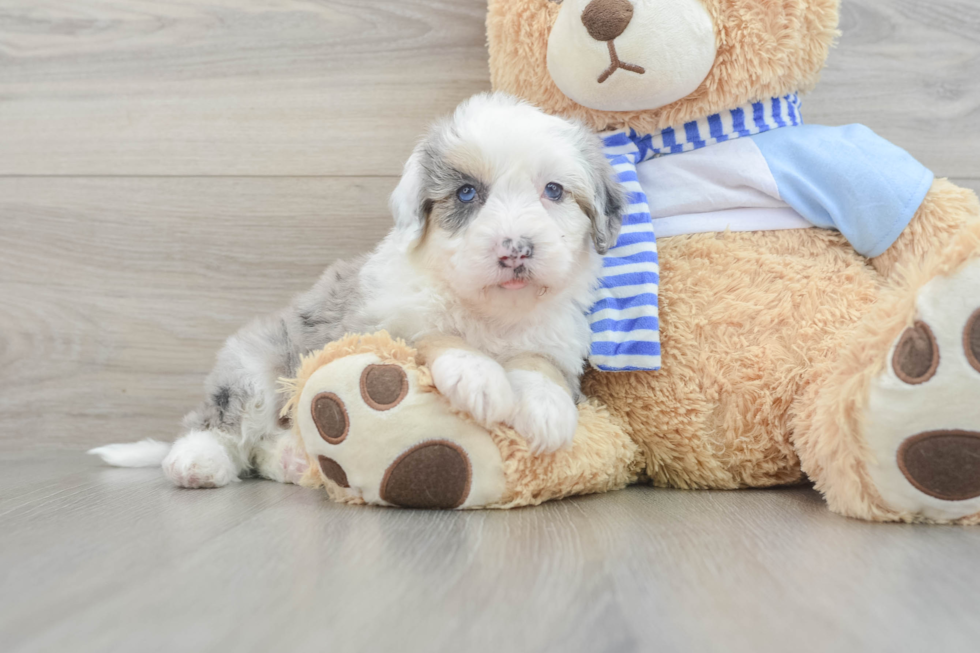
x,y
169,169
98,559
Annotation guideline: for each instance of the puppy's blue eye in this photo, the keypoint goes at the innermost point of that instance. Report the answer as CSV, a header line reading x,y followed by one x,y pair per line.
x,y
466,193
553,191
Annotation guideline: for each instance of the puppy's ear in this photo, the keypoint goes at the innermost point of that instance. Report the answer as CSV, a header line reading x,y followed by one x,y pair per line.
x,y
407,204
609,198
610,205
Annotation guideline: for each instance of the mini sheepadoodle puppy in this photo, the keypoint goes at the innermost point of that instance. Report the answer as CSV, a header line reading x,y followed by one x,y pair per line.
x,y
500,216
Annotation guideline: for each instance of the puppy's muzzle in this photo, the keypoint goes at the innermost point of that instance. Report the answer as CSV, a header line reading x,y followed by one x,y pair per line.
x,y
514,253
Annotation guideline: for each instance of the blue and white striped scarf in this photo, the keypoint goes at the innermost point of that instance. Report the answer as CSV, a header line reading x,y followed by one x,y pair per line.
x,y
625,319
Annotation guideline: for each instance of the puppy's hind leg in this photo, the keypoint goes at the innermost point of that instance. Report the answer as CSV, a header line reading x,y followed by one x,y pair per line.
x,y
240,410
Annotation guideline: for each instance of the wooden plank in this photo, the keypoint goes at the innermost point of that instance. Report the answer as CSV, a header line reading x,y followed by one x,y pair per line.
x,y
117,560
339,88
910,70
220,87
74,532
115,294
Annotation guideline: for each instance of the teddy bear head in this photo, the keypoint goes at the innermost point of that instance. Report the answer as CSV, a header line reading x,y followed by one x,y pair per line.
x,y
650,64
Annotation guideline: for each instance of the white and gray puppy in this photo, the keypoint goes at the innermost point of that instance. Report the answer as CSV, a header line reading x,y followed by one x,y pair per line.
x,y
500,216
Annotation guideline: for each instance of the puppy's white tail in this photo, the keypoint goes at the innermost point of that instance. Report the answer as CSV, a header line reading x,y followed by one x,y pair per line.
x,y
145,453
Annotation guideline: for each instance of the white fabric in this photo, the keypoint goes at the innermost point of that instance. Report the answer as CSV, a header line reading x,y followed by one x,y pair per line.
x,y
730,220
733,174
727,186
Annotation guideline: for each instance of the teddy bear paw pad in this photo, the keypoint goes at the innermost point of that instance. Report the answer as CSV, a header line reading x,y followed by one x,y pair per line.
x,y
943,464
379,436
433,474
923,416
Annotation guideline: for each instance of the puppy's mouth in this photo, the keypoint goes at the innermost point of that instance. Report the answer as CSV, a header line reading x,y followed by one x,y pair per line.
x,y
514,284
520,277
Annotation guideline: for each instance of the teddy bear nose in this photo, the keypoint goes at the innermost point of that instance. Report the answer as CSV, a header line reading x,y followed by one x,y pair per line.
x,y
606,19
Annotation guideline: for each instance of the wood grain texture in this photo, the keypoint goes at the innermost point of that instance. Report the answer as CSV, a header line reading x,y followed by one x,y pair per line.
x,y
221,87
217,87
105,560
115,294
910,70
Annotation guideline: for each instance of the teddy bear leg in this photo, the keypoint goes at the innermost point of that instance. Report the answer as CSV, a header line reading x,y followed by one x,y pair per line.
x,y
890,430
375,430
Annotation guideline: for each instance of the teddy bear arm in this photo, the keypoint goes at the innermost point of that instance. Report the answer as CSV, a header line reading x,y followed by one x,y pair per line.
x,y
945,210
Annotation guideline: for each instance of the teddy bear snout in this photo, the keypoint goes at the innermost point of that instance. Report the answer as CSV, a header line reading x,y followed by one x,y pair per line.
x,y
607,19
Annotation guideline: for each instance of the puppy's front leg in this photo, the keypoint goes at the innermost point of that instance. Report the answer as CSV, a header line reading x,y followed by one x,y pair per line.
x,y
545,412
472,381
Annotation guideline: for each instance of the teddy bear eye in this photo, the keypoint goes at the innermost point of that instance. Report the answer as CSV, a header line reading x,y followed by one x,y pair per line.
x,y
553,191
466,193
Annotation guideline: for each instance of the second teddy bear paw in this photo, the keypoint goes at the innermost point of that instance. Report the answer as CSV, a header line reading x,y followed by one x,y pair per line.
x,y
379,435
923,414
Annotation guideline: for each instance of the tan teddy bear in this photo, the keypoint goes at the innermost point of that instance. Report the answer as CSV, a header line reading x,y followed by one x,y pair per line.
x,y
819,291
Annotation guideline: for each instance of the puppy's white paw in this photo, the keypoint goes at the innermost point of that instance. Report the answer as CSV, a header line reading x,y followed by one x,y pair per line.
x,y
544,414
475,384
199,460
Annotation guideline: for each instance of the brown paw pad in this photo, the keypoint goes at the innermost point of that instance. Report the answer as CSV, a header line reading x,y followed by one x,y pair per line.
x,y
916,356
943,464
971,340
434,474
330,417
332,470
383,386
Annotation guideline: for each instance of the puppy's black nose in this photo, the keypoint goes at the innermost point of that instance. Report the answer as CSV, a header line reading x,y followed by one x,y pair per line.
x,y
606,19
511,253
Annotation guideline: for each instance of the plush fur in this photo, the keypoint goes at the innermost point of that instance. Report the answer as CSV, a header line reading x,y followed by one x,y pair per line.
x,y
772,342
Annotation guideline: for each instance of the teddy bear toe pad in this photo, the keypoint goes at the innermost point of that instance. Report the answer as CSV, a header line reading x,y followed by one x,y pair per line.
x,y
923,414
379,437
330,417
332,470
